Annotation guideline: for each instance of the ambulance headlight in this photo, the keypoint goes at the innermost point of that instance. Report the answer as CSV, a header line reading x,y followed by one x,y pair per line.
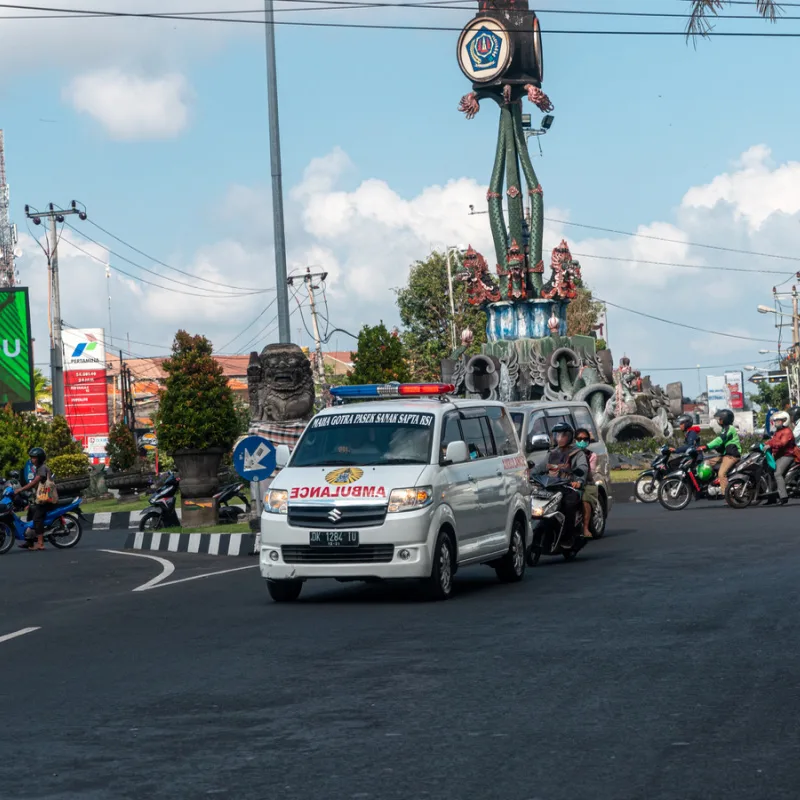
x,y
276,501
410,499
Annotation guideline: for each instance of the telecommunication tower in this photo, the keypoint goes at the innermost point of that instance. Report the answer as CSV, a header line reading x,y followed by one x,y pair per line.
x,y
8,232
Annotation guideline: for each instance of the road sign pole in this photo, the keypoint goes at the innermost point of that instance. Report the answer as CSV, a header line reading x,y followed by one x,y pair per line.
x,y
255,494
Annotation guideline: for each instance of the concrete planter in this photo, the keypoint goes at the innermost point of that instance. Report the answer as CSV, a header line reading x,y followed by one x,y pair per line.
x,y
130,482
72,487
199,471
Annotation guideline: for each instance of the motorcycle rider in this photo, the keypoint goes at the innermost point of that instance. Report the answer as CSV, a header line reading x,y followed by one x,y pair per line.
x,y
691,433
38,508
727,445
583,439
565,460
784,450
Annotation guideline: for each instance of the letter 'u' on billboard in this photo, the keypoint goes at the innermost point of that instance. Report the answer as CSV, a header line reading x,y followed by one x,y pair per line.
x,y
16,353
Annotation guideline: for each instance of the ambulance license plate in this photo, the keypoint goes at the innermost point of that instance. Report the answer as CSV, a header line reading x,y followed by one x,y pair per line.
x,y
333,538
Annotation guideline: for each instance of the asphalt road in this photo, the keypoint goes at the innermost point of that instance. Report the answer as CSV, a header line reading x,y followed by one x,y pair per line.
x,y
662,664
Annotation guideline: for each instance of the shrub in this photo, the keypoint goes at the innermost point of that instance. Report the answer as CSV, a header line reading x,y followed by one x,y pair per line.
x,y
69,466
58,440
121,449
196,405
18,433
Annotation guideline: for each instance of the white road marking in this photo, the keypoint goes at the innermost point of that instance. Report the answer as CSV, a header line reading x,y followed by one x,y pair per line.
x,y
14,635
102,520
204,575
167,568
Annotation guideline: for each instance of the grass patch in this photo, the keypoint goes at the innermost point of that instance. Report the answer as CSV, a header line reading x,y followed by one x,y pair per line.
x,y
99,506
624,475
241,527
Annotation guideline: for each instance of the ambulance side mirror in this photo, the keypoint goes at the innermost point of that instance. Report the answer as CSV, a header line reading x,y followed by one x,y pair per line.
x,y
456,453
281,456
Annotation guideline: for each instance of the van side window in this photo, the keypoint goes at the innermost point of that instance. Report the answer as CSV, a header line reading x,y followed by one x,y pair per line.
x,y
583,419
502,430
451,432
537,425
518,419
556,415
478,437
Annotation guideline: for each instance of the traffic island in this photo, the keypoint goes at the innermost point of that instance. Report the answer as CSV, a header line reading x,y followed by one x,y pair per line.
x,y
212,544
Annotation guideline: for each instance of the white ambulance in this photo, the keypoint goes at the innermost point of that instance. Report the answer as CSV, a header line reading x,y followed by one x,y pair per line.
x,y
414,485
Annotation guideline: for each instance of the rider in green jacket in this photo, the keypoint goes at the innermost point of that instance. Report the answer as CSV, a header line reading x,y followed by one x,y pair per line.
x,y
727,445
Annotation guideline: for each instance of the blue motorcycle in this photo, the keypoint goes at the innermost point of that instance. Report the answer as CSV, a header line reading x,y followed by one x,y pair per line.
x,y
62,526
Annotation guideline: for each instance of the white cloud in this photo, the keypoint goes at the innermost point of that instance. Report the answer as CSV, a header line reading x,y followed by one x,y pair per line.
x,y
131,106
367,236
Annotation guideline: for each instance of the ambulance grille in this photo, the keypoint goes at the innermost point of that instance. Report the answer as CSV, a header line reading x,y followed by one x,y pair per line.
x,y
349,517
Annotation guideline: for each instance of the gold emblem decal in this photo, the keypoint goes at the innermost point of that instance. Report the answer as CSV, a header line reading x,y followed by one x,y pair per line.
x,y
344,476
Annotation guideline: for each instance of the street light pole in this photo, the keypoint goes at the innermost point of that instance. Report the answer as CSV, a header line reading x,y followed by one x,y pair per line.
x,y
452,299
281,288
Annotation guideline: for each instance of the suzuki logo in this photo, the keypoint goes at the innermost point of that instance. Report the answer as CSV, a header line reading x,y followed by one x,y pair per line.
x,y
335,515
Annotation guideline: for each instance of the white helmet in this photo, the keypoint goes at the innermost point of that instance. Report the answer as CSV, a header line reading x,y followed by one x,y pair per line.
x,y
780,419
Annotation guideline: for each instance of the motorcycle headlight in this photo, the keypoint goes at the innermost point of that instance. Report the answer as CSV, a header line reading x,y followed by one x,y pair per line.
x,y
548,508
276,501
410,499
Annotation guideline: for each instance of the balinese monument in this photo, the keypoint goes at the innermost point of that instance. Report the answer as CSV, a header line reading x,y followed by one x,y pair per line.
x,y
529,354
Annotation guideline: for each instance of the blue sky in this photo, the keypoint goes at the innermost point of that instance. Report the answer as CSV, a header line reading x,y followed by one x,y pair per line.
x,y
639,122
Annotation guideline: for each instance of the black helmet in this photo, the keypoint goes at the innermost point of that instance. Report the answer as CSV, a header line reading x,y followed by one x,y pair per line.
x,y
564,427
684,419
37,452
724,416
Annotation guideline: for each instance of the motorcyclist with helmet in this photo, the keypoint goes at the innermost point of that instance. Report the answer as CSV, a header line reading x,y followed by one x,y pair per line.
x,y
691,433
566,460
727,445
784,450
39,507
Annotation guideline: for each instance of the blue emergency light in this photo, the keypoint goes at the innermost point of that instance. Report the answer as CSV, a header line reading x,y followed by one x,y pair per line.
x,y
392,390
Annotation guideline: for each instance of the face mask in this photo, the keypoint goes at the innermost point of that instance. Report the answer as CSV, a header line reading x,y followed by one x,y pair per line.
x,y
582,445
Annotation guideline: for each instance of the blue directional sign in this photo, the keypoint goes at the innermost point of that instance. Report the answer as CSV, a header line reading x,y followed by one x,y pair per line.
x,y
254,458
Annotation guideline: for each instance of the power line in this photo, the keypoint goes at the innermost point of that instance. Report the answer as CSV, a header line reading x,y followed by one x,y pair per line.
x,y
688,266
161,263
213,293
266,308
699,366
683,324
65,12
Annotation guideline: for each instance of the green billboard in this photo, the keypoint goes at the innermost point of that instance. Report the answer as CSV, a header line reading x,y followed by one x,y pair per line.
x,y
16,352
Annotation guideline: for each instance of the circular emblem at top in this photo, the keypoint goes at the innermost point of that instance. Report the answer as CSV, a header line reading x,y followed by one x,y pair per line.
x,y
484,50
344,476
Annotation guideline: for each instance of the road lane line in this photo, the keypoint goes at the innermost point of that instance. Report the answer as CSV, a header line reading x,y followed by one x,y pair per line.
x,y
14,635
204,575
167,568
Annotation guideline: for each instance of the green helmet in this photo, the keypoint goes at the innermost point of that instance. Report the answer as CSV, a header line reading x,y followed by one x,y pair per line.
x,y
705,472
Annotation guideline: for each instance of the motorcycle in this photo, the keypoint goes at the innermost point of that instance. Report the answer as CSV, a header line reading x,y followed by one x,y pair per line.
x,y
649,481
752,480
693,479
62,525
231,513
547,494
161,512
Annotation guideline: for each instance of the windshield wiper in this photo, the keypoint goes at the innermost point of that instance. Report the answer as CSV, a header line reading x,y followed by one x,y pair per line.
x,y
403,461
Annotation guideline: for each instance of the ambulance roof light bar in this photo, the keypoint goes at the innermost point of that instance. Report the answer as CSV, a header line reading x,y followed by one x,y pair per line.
x,y
386,391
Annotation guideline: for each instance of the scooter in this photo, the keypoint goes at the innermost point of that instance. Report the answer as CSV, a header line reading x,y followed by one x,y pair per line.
x,y
161,511
752,480
62,525
649,481
231,513
693,479
548,520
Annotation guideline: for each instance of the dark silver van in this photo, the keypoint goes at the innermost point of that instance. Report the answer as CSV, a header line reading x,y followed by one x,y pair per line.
x,y
534,421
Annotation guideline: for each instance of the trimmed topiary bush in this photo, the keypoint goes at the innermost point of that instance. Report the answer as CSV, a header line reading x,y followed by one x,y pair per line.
x,y
69,466
121,448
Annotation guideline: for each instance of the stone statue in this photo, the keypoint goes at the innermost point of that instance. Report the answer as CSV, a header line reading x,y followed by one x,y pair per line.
x,y
280,384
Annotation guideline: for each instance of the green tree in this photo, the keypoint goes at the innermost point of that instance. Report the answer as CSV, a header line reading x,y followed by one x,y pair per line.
x,y
42,391
380,357
59,440
424,305
699,23
769,395
583,313
196,408
121,448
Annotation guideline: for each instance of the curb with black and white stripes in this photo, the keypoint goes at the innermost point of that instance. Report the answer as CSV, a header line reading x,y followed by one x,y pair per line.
x,y
212,544
120,520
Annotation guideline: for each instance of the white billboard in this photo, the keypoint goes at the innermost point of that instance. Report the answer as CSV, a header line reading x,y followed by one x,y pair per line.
x,y
84,349
734,386
717,393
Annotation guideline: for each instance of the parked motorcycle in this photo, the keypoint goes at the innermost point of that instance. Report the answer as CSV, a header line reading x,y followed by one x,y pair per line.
x,y
693,479
752,480
228,513
161,512
62,525
548,520
649,481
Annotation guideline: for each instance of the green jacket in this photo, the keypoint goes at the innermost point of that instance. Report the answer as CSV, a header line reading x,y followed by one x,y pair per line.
x,y
727,443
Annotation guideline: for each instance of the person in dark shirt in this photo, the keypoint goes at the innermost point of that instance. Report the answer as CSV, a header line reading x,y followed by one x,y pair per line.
x,y
691,433
39,508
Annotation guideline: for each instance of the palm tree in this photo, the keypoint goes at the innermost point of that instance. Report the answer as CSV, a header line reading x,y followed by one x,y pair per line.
x,y
42,390
699,24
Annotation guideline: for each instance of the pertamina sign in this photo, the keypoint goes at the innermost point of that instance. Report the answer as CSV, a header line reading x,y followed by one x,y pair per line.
x,y
86,388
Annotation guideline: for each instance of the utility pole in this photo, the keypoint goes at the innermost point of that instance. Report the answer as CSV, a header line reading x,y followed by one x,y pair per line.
x,y
55,215
284,334
452,299
308,279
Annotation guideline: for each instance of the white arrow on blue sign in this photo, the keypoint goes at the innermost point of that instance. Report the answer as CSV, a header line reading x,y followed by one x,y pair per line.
x,y
254,458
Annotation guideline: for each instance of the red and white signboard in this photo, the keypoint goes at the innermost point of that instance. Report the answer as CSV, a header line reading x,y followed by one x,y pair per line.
x,y
86,389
